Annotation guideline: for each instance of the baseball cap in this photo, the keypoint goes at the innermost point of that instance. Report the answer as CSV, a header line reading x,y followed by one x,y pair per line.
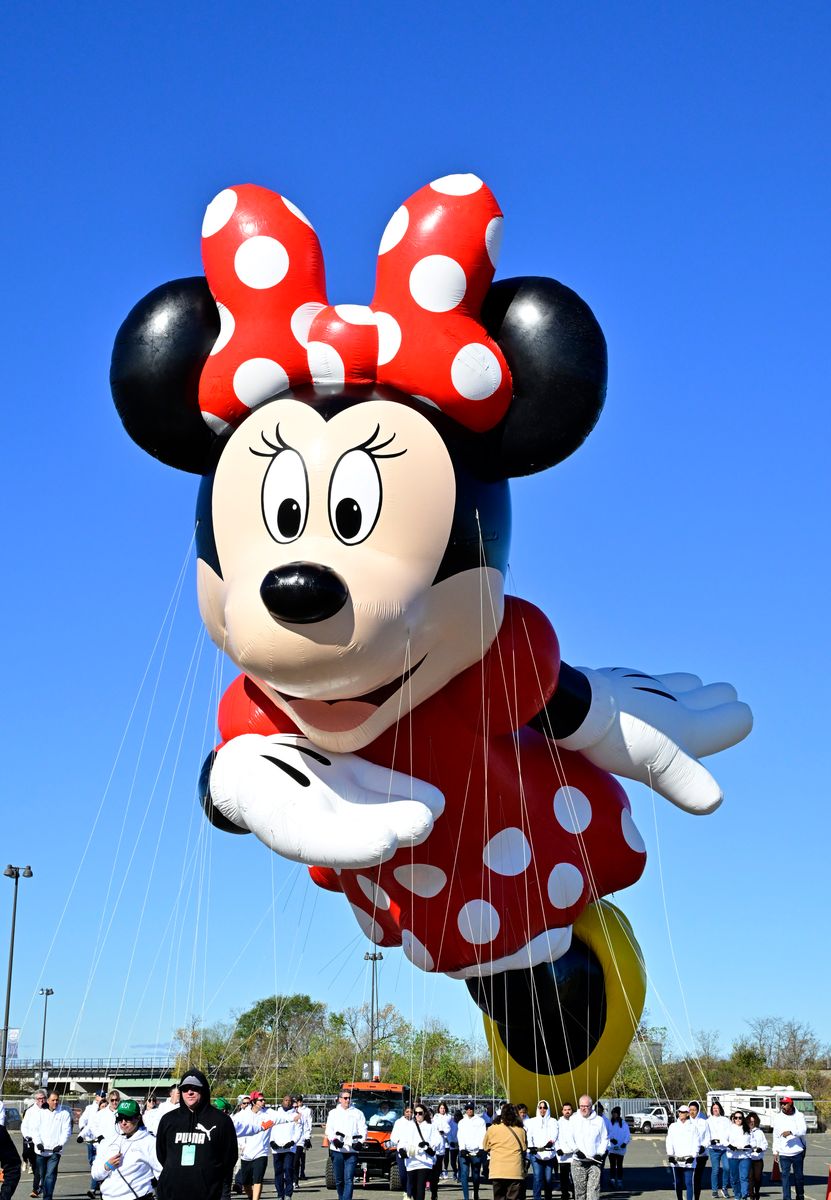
x,y
192,1081
257,1096
128,1108
470,1105
243,1097
786,1100
221,1104
684,1108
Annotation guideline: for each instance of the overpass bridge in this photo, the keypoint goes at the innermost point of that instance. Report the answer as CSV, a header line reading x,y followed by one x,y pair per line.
x,y
74,1077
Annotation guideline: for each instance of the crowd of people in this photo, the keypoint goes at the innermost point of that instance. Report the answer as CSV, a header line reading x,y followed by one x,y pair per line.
x,y
192,1146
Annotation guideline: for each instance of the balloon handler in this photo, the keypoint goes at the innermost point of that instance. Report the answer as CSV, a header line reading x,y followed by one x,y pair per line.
x,y
400,725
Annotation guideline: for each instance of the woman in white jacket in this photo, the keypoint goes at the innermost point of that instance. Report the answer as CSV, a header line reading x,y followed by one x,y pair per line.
x,y
619,1138
738,1156
442,1121
126,1165
719,1127
758,1146
542,1131
427,1145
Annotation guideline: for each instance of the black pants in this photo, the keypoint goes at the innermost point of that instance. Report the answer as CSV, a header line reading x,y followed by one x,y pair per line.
x,y
566,1185
616,1166
698,1174
300,1163
417,1180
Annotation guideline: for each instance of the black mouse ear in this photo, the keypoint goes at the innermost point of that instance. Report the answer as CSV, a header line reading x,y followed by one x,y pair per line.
x,y
556,350
157,359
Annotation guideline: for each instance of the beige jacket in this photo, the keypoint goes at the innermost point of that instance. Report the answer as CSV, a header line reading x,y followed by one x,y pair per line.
x,y
507,1145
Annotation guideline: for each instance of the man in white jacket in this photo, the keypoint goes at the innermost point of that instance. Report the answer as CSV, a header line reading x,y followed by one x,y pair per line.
x,y
27,1132
565,1151
472,1131
344,1134
789,1145
52,1127
126,1165
590,1140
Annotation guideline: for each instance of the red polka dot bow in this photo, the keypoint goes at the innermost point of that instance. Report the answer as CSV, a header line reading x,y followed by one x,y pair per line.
x,y
421,333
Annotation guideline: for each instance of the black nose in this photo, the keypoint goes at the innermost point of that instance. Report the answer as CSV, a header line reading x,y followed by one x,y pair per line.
x,y
302,593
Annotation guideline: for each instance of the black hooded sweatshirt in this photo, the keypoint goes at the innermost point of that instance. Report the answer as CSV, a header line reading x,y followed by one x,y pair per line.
x,y
197,1148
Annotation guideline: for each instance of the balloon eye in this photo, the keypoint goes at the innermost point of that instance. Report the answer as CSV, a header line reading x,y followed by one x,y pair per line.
x,y
354,497
285,496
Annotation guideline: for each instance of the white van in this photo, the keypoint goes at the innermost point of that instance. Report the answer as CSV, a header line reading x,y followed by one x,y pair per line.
x,y
764,1101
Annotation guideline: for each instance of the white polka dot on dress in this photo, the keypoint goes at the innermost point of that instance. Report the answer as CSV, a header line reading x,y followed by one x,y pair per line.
x,y
572,809
371,928
219,212
475,372
421,879
631,833
395,230
478,922
258,379
374,894
507,852
261,262
565,885
416,951
437,283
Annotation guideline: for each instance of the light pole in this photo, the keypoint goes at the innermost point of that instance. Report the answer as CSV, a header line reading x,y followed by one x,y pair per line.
x,y
10,873
46,993
373,1006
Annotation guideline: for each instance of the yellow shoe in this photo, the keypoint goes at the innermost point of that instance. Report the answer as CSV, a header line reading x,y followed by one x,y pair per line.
x,y
562,1029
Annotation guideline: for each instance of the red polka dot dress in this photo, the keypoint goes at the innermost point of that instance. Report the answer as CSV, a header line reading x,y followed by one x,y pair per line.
x,y
529,835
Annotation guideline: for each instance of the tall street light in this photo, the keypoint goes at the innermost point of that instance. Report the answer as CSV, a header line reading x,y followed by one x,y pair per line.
x,y
46,993
10,873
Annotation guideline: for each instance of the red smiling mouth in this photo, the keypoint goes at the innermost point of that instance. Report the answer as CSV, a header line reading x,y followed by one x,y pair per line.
x,y
376,697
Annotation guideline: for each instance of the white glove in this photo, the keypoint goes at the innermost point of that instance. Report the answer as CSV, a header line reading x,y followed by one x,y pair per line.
x,y
323,809
655,728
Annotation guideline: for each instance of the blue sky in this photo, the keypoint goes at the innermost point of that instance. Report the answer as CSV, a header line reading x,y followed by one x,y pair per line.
x,y
668,161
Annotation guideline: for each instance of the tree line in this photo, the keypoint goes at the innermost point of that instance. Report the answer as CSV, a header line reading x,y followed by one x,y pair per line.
x,y
294,1044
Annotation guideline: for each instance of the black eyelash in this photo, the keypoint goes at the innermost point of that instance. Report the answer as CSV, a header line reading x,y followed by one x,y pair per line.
x,y
273,450
373,450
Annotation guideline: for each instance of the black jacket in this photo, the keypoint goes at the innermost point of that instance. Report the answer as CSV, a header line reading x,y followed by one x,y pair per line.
x,y
10,1162
203,1135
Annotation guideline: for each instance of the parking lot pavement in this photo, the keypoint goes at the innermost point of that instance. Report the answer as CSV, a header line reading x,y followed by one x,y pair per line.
x,y
645,1173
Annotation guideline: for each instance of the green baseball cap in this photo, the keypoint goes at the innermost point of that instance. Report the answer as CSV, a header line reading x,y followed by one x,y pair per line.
x,y
128,1108
221,1104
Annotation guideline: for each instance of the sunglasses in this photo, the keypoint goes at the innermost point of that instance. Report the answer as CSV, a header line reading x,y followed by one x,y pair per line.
x,y
126,1118
419,1112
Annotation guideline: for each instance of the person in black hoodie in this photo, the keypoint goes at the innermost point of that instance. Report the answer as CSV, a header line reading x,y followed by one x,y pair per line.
x,y
10,1164
196,1145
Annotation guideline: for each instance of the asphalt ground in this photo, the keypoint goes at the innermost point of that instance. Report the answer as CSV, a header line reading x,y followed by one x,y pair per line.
x,y
644,1172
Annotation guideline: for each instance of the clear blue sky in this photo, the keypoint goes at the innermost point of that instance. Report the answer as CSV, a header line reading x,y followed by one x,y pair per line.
x,y
668,161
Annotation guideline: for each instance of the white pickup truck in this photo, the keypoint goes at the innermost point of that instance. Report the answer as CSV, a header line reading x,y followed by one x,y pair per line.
x,y
657,1117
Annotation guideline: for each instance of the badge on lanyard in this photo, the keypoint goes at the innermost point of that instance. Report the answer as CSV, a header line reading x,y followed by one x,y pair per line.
x,y
188,1156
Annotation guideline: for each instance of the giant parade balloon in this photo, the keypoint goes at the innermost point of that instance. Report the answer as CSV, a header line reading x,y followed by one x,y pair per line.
x,y
401,725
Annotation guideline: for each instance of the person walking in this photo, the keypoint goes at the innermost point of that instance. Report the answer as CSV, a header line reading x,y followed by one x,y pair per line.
x,y
683,1145
423,1152
196,1145
401,1136
701,1158
738,1156
565,1150
590,1140
789,1145
718,1127
305,1114
758,1146
286,1136
442,1121
53,1125
541,1131
619,1138
471,1134
344,1134
506,1142
126,1166
9,1165
253,1148
27,1133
